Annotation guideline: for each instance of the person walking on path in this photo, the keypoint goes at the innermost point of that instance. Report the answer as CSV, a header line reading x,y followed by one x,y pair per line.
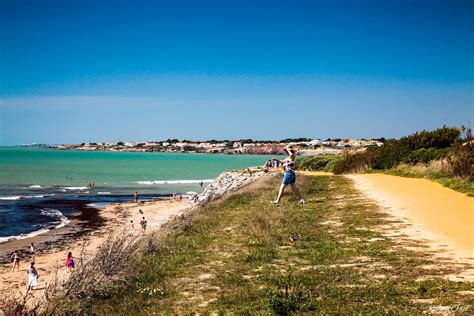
x,y
33,252
15,259
143,223
70,262
32,276
131,229
289,177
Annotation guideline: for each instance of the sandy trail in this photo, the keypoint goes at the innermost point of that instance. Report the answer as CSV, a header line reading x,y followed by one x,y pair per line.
x,y
117,217
442,217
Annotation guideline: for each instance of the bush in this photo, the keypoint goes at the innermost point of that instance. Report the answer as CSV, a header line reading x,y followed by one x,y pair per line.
x,y
421,147
316,163
462,161
354,163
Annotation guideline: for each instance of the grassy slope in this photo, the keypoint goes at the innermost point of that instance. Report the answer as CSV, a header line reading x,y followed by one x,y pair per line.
x,y
236,255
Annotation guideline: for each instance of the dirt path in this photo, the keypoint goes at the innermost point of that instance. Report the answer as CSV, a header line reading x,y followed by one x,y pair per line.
x,y
442,217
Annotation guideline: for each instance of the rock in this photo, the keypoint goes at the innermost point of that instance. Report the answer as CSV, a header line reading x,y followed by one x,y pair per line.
x,y
228,182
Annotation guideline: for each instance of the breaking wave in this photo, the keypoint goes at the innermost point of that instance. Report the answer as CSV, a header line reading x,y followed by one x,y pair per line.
x,y
175,181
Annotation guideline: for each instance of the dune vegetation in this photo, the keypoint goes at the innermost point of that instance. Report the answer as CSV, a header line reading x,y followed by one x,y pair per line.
x,y
445,155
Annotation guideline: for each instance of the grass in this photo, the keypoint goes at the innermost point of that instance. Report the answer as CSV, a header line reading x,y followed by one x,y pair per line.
x,y
236,256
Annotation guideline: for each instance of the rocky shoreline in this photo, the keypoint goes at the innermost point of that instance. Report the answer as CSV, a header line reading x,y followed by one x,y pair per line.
x,y
228,182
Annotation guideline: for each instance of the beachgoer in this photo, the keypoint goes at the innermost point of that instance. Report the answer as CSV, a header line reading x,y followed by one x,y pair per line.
x,y
143,223
135,197
32,276
274,164
15,260
131,229
267,165
140,211
201,184
70,262
33,252
289,177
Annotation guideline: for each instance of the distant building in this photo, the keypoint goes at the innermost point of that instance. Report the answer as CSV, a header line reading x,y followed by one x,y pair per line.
x,y
315,142
237,144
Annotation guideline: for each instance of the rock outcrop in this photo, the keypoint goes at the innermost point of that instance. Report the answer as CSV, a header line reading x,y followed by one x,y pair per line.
x,y
228,182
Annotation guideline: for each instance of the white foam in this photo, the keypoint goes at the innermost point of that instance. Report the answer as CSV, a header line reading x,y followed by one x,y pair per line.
x,y
8,198
74,188
105,193
17,197
56,214
23,236
99,205
175,181
35,186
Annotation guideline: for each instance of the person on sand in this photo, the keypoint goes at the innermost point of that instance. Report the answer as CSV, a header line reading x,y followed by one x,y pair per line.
x,y
15,260
70,262
33,252
32,276
267,165
289,177
143,223
135,197
131,229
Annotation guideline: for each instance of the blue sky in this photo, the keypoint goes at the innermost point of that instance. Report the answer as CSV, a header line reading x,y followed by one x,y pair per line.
x,y
73,71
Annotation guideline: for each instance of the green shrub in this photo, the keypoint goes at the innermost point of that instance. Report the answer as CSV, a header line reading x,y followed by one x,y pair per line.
x,y
462,161
358,162
316,163
420,147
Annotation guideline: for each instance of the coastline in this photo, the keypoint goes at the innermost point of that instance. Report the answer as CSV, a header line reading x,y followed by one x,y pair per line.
x,y
88,230
54,245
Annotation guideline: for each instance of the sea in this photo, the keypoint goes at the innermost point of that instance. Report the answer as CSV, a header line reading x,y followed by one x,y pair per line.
x,y
42,189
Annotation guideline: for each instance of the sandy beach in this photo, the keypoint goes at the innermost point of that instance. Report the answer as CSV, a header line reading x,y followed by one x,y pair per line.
x,y
441,217
54,245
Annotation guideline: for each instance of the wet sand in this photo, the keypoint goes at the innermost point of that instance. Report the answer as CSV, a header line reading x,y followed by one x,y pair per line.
x,y
54,245
441,216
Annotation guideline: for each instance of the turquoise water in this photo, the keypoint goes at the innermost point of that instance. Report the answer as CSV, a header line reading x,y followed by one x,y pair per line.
x,y
113,170
42,189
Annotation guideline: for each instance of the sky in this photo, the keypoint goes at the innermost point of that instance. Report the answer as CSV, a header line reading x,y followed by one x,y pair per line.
x,y
74,71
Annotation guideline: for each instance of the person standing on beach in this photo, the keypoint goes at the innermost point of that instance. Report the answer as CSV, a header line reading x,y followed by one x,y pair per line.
x,y
289,177
15,259
33,252
70,262
143,223
32,276
131,229
135,197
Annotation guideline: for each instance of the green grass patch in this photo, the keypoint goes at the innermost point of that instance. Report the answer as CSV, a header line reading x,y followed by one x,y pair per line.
x,y
236,256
